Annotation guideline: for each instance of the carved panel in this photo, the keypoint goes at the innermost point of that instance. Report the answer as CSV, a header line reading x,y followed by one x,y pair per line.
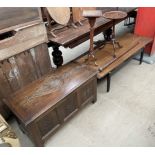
x,y
67,106
86,91
48,123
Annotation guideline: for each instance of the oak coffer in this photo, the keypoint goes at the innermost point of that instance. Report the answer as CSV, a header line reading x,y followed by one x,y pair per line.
x,y
44,105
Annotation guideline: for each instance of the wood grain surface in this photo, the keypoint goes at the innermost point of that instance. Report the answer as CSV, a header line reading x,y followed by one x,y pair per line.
x,y
60,15
22,69
23,39
77,13
131,45
15,17
30,110
47,103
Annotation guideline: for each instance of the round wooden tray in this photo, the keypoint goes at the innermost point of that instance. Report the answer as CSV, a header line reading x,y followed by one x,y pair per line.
x,y
60,15
114,15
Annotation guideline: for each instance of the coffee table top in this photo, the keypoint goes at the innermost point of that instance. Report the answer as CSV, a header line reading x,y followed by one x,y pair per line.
x,y
115,15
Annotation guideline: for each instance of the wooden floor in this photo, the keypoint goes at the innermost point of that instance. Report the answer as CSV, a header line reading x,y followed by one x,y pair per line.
x,y
130,43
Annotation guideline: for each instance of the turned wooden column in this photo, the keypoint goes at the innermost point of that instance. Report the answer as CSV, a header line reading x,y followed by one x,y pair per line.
x,y
114,15
57,54
91,15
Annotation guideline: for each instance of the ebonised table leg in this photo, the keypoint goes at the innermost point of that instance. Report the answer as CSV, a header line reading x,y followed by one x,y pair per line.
x,y
57,55
108,34
107,37
108,81
141,56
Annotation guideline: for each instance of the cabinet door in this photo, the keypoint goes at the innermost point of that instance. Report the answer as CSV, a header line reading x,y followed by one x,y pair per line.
x,y
68,106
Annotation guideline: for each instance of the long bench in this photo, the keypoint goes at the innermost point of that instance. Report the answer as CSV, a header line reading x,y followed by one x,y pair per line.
x,y
46,104
41,98
132,44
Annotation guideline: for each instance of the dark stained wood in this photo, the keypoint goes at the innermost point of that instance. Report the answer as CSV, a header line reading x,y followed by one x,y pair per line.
x,y
48,122
26,68
5,87
22,69
106,63
71,37
42,59
86,91
4,110
45,104
21,30
15,17
33,130
11,74
68,106
60,84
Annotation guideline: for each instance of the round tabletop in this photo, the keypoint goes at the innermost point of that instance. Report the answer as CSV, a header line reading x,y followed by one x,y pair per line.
x,y
92,13
60,15
114,14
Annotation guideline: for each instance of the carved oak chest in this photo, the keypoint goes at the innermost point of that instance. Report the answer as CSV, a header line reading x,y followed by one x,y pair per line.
x,y
44,105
